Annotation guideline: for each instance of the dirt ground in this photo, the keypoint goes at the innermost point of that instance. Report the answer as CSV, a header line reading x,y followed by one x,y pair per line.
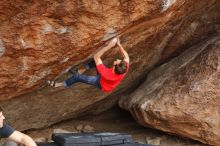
x,y
114,120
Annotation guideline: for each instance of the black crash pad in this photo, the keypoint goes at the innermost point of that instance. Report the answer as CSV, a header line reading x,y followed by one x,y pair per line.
x,y
46,144
134,144
90,139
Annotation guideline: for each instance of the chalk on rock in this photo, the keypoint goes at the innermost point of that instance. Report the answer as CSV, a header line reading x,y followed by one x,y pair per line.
x,y
111,32
167,4
153,141
2,48
61,131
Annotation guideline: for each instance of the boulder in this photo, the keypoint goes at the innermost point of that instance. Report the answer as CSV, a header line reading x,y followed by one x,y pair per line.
x,y
182,96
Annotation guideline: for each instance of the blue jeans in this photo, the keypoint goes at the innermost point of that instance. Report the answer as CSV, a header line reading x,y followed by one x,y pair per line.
x,y
92,80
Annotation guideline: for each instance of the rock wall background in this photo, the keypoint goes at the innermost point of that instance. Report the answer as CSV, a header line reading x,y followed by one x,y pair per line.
x,y
41,39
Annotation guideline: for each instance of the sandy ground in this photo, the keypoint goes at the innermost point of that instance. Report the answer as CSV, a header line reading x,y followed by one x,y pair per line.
x,y
114,120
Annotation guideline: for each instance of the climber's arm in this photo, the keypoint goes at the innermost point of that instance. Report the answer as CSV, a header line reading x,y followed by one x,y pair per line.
x,y
22,138
98,55
123,52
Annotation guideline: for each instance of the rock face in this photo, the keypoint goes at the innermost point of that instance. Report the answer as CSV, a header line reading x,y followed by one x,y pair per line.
x,y
41,39
182,96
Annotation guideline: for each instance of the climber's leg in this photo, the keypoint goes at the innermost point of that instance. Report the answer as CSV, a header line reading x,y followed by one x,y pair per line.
x,y
92,80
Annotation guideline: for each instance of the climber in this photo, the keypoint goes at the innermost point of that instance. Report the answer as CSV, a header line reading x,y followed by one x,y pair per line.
x,y
107,78
13,136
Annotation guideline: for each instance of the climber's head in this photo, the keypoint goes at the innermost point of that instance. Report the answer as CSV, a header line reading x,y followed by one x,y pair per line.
x,y
120,66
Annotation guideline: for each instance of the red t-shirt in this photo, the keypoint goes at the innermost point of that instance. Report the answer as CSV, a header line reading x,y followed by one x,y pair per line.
x,y
109,80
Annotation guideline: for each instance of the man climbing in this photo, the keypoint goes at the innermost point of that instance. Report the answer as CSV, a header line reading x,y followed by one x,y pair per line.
x,y
13,136
107,78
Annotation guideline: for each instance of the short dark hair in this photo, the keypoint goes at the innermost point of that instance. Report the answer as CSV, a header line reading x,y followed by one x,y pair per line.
x,y
1,110
121,68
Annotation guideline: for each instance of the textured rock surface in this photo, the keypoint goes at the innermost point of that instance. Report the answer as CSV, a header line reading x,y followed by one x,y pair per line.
x,y
182,96
40,39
